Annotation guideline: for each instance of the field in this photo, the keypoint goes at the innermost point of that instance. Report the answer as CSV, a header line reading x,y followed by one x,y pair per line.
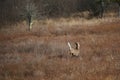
x,y
43,53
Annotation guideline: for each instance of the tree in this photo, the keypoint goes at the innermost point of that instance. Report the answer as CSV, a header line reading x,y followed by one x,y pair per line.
x,y
118,1
30,13
102,4
114,1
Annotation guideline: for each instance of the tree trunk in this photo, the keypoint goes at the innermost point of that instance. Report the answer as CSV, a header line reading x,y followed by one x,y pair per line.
x,y
102,8
118,8
29,20
119,11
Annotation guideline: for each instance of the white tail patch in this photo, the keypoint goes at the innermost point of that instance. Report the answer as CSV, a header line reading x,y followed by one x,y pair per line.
x,y
69,46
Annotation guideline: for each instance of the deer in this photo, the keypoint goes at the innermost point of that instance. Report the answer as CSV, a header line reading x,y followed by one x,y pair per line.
x,y
74,51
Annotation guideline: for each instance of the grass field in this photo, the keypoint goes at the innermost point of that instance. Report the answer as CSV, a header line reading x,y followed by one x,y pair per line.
x,y
43,53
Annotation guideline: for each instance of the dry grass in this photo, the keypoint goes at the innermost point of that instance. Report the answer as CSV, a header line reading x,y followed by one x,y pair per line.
x,y
43,54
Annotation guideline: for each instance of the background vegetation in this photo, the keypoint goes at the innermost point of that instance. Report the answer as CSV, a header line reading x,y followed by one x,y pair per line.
x,y
16,10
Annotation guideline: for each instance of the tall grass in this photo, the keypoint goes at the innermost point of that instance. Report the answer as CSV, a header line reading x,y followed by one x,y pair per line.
x,y
37,56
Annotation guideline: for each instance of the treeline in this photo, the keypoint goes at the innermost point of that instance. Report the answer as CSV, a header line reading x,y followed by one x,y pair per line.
x,y
17,10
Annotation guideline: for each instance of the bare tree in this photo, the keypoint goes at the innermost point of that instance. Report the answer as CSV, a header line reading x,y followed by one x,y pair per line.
x,y
118,1
30,12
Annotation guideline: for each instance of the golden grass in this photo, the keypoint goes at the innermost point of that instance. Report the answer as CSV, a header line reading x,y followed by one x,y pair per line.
x,y
45,26
79,21
43,54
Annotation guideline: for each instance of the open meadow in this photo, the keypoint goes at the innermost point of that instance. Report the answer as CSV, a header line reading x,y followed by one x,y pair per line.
x,y
43,53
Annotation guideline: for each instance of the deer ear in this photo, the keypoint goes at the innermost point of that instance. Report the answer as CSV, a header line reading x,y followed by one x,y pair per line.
x,y
77,45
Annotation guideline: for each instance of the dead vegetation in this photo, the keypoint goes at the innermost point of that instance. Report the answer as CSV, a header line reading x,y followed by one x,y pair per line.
x,y
43,53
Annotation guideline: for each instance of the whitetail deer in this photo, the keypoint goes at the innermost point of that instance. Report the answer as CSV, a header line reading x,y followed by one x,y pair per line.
x,y
74,51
